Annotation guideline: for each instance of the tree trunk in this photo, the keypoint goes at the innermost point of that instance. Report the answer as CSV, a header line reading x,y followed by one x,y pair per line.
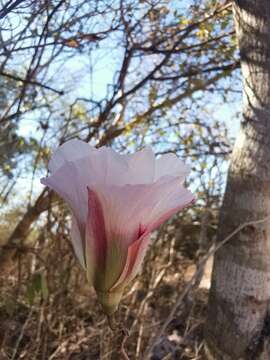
x,y
14,244
238,323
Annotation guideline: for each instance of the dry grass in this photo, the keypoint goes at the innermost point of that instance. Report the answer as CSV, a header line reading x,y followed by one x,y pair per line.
x,y
48,311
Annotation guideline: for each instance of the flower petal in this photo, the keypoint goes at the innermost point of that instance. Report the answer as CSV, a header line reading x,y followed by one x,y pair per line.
x,y
77,241
70,180
117,170
124,208
105,258
95,227
174,198
170,164
141,167
101,165
136,253
70,151
128,206
71,185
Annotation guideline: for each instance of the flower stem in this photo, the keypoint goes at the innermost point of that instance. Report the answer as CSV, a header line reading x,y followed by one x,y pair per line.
x,y
114,326
112,322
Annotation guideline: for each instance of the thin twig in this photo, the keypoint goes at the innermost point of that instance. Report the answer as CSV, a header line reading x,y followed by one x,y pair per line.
x,y
20,337
9,7
32,82
189,286
125,333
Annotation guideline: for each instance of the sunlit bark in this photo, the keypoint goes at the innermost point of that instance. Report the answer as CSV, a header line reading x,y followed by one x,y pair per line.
x,y
238,313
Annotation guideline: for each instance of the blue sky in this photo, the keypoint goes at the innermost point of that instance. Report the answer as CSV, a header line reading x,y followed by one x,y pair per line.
x,y
81,81
96,85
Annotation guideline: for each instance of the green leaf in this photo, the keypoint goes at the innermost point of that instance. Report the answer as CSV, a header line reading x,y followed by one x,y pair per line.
x,y
44,287
37,286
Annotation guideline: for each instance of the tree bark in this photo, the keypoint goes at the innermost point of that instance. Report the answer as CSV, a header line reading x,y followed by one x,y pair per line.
x,y
238,322
11,248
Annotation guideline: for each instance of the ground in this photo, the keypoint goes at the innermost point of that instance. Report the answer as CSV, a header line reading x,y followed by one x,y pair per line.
x,y
60,319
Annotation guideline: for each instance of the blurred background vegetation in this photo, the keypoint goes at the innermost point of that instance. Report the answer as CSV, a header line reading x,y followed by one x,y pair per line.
x,y
124,74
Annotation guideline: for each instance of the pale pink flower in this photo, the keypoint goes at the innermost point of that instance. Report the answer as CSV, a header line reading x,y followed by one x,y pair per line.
x,y
116,202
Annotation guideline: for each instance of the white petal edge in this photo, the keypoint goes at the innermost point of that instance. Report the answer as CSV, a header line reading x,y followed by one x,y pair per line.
x,y
71,150
171,165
